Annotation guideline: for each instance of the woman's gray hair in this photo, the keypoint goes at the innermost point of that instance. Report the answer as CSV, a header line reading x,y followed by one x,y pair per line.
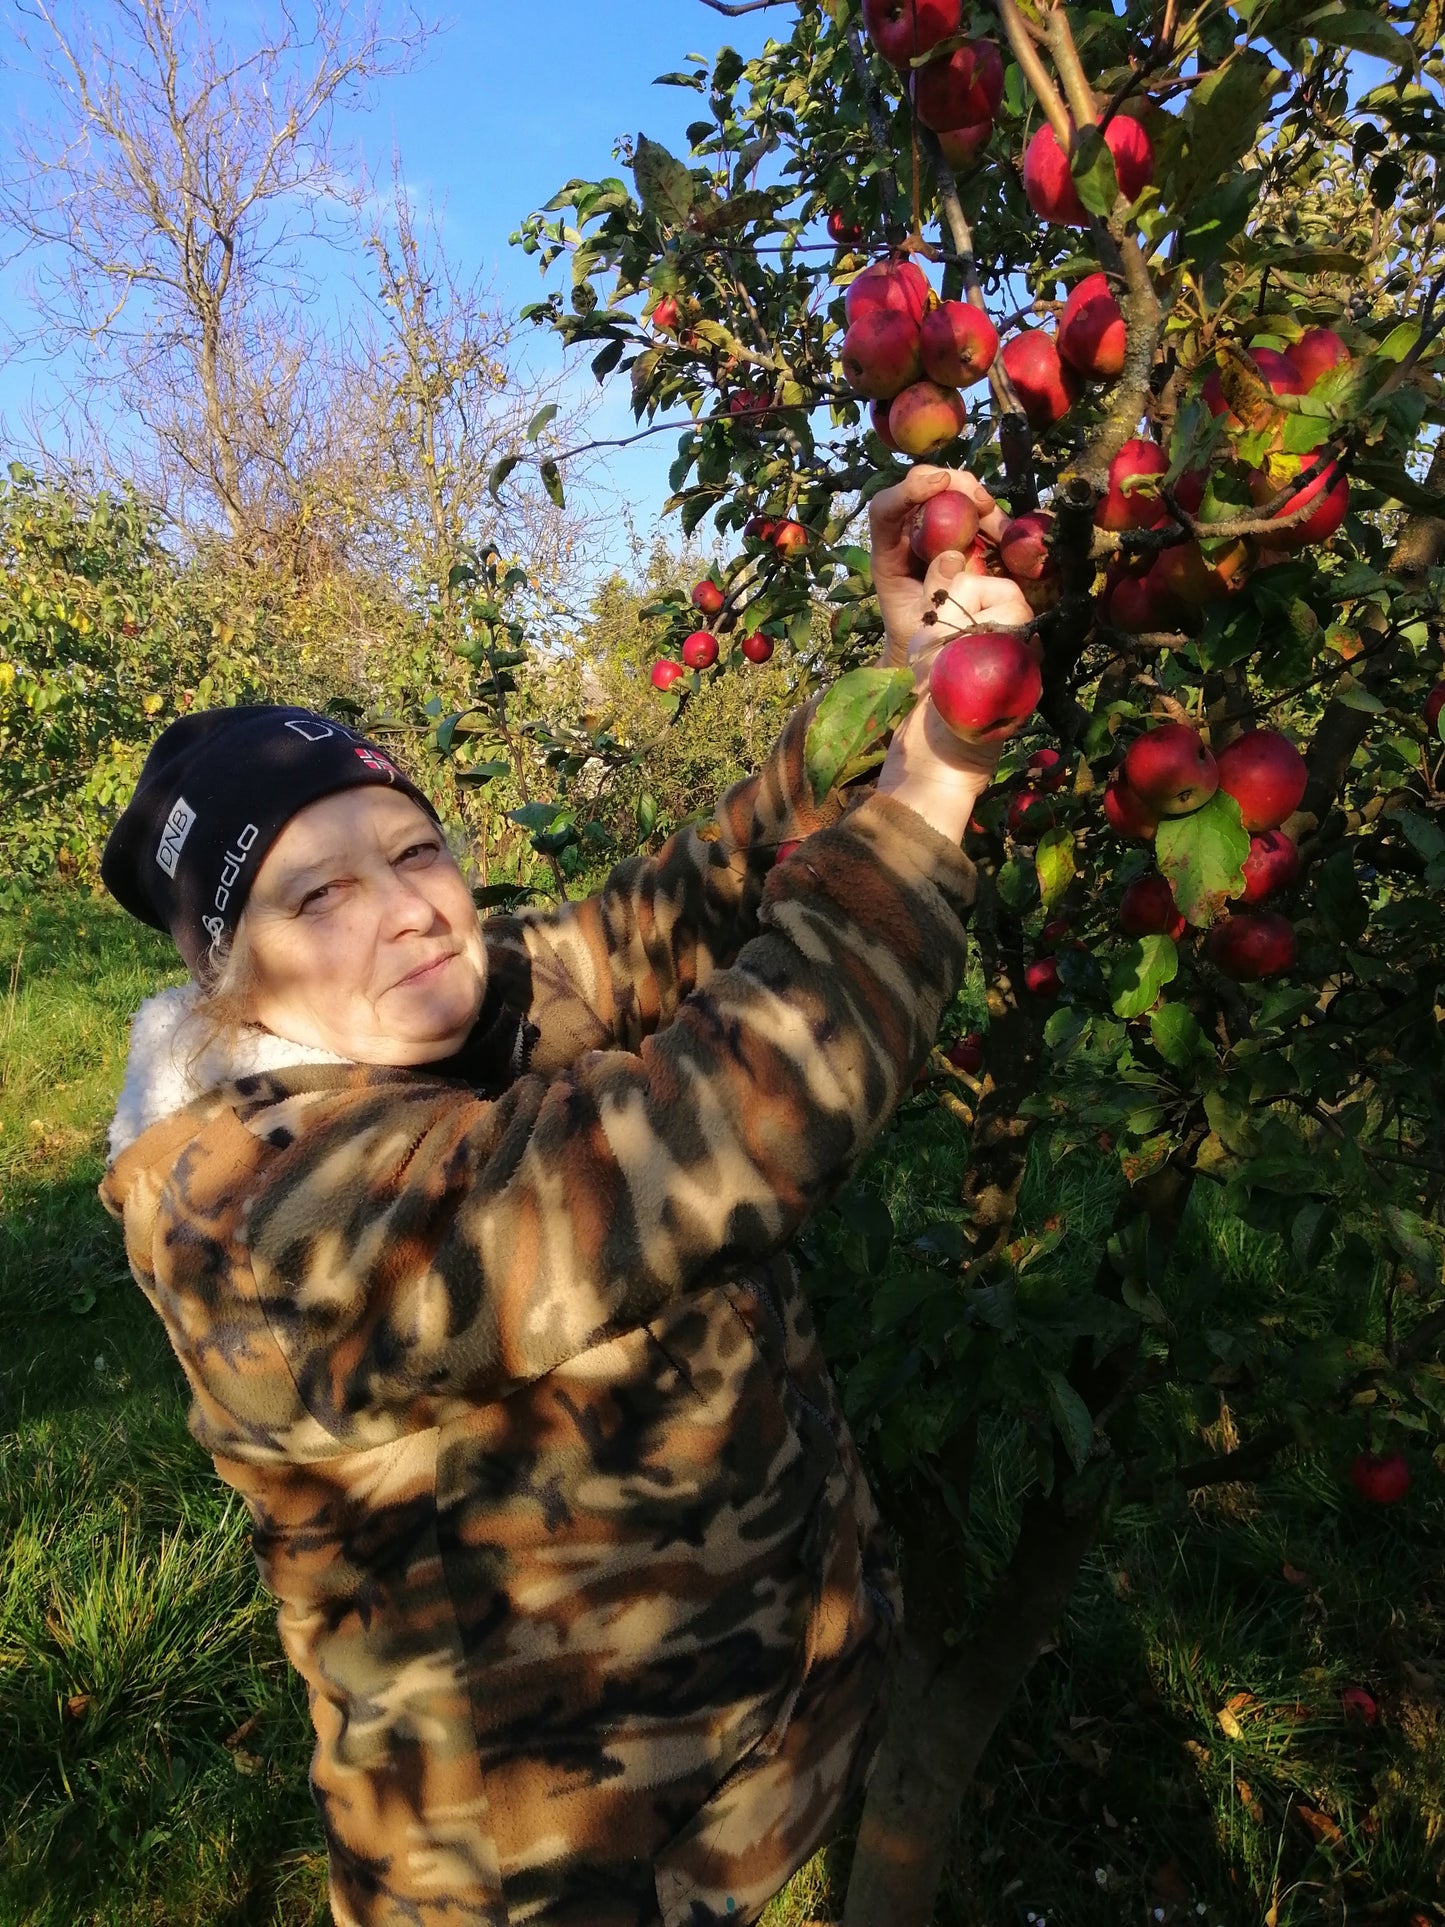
x,y
227,982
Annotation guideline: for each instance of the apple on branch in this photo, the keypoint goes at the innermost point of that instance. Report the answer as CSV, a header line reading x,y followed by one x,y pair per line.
x,y
1047,387
1266,776
1170,771
1092,331
985,685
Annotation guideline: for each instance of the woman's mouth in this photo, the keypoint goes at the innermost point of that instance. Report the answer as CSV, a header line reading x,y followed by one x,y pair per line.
x,y
424,973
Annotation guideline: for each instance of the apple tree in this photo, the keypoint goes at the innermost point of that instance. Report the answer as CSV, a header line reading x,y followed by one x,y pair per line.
x,y
1168,280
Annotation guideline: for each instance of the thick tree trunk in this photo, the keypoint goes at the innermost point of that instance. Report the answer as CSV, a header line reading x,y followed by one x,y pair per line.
x,y
945,1704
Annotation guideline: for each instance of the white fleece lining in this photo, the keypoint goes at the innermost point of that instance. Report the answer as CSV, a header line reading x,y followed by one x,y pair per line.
x,y
163,1075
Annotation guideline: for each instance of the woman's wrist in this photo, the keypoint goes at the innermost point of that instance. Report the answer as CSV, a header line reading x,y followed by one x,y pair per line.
x,y
934,773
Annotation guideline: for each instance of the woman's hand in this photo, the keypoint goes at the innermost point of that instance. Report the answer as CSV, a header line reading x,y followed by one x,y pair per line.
x,y
903,598
927,767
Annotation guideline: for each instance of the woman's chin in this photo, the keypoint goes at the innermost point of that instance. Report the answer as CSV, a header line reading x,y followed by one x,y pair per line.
x,y
433,1020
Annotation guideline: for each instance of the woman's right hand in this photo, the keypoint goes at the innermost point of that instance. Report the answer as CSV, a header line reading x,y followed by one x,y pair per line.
x,y
938,774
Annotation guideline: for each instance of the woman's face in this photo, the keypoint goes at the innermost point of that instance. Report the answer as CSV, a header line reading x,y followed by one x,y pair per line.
x,y
362,935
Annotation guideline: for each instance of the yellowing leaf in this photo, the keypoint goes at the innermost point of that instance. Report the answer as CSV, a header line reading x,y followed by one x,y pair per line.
x,y
1229,1726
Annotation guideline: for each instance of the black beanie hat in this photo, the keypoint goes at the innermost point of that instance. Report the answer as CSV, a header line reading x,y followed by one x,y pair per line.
x,y
216,791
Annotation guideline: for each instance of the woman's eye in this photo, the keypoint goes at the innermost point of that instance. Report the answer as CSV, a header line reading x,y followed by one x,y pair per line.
x,y
415,850
318,895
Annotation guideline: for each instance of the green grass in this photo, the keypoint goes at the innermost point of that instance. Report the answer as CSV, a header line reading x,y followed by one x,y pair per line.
x,y
153,1745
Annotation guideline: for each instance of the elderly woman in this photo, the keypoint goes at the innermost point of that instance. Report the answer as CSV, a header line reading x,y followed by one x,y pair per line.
x,y
470,1242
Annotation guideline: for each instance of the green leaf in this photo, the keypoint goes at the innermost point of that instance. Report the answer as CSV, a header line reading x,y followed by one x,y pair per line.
x,y
1222,120
1140,973
646,814
482,773
1203,857
535,816
1018,885
1339,898
552,482
1367,33
1177,1036
1054,862
665,185
540,420
855,715
488,896
1072,1416
499,473
1092,166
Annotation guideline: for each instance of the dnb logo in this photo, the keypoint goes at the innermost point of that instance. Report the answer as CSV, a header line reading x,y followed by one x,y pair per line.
x,y
173,836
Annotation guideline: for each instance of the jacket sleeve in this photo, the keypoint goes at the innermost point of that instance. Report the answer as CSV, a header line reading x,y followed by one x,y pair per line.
x,y
436,1246
607,972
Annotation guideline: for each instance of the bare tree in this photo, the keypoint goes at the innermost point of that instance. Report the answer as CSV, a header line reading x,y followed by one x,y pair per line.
x,y
449,398
169,203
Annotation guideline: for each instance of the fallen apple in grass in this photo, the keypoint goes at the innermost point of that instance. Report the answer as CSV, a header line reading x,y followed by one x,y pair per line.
x,y
1381,1477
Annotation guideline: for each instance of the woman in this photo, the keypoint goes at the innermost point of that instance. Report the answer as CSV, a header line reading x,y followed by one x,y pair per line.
x,y
470,1244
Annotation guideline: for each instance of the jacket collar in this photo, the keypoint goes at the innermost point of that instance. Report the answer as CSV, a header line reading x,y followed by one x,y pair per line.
x,y
165,1071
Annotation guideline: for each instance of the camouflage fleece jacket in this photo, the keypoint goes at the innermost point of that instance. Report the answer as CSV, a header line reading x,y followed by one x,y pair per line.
x,y
570,1541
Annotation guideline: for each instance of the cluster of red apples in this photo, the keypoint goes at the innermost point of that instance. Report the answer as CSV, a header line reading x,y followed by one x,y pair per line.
x,y
909,353
700,649
1157,591
1169,772
957,88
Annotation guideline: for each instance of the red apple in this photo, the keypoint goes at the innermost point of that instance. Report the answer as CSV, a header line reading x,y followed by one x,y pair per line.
x,y
1358,1705
757,647
1047,388
926,417
1169,770
1252,944
880,354
984,685
899,286
1266,776
785,850
1127,141
1327,489
960,88
759,528
707,597
961,146
878,421
1280,376
1316,351
1383,1478
1123,505
665,672
1184,571
958,343
1030,814
1049,186
1054,932
1147,909
1041,977
1092,334
789,538
1141,605
1048,770
1434,703
902,29
1127,814
1271,866
967,1054
840,229
947,521
700,649
1023,547
664,315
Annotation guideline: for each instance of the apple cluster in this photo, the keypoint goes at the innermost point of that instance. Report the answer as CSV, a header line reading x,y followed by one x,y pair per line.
x,y
958,83
700,649
909,353
1168,771
1159,591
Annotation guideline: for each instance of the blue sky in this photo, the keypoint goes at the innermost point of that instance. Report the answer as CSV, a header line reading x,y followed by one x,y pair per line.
x,y
508,103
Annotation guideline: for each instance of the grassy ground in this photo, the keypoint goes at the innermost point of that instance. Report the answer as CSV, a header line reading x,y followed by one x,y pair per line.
x,y
1181,1756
